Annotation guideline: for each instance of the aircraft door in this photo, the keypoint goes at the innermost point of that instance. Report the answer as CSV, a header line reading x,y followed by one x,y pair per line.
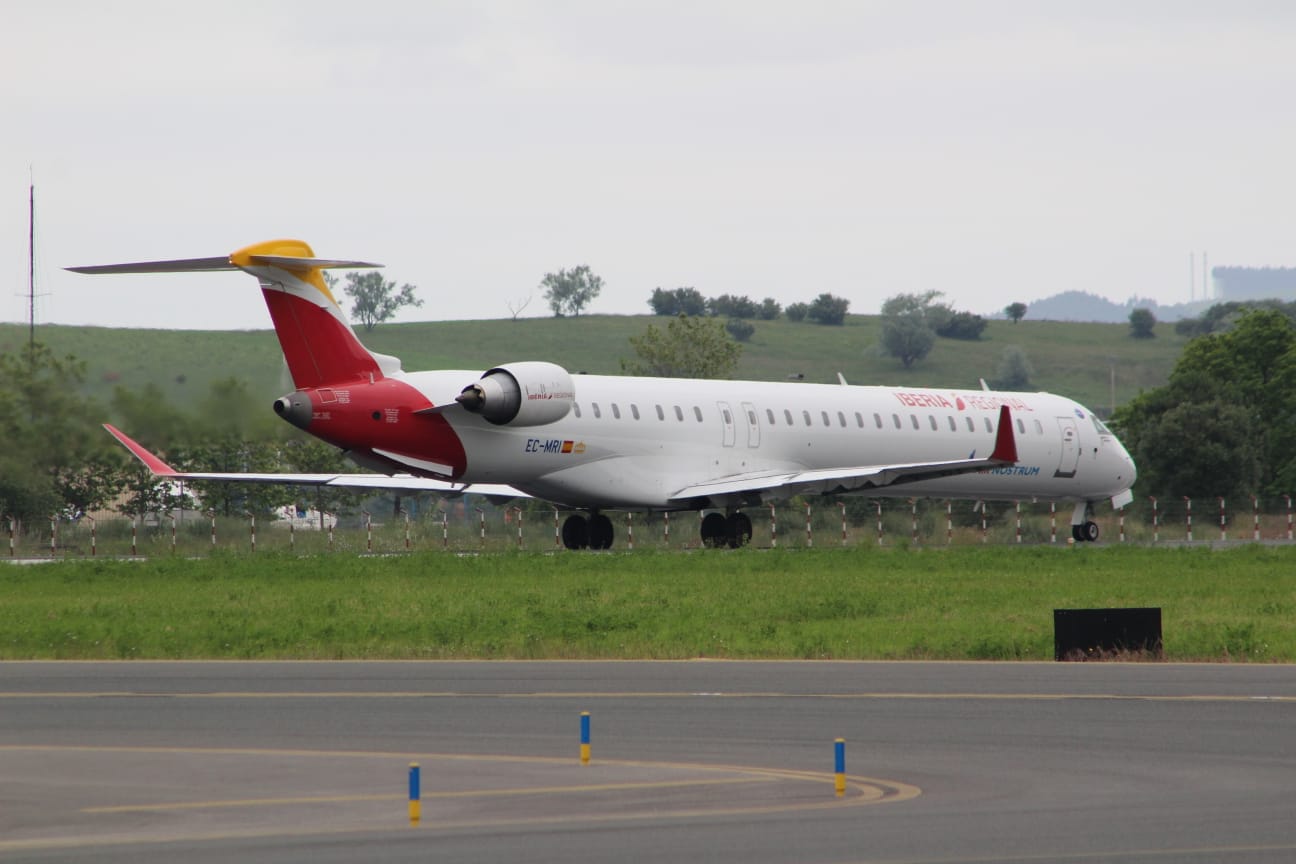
x,y
753,425
1069,458
726,416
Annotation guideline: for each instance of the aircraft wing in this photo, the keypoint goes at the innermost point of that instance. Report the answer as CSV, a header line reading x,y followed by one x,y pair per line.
x,y
394,482
839,481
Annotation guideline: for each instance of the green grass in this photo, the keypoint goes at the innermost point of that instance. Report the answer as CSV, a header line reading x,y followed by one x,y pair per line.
x,y
958,603
1073,359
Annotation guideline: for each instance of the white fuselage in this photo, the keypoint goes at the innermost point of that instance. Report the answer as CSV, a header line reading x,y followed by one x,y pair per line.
x,y
634,442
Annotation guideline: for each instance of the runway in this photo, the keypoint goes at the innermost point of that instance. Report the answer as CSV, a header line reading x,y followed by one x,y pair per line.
x,y
691,761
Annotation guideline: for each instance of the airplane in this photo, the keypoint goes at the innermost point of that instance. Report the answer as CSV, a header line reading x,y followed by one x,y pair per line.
x,y
594,444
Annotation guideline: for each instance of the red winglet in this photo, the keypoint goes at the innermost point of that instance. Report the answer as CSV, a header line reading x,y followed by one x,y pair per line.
x,y
153,463
1005,449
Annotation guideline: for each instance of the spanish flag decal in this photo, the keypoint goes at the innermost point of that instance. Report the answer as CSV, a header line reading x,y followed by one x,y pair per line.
x,y
567,447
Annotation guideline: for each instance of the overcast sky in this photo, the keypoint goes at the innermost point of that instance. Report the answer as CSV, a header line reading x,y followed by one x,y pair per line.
x,y
995,151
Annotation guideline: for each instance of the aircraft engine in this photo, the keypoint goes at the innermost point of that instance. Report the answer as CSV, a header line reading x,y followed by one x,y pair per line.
x,y
521,394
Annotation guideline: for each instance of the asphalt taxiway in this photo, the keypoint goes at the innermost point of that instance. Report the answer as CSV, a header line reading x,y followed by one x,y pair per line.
x,y
691,761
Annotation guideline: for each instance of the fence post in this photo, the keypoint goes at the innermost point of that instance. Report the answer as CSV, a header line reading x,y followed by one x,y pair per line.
x,y
330,531
878,503
1053,522
842,505
773,528
173,533
557,541
134,535
481,518
913,528
12,531
1286,498
809,530
251,528
54,536
1255,513
949,522
1188,516
405,513
1018,506
93,538
985,530
1121,514
1156,525
1223,530
368,530
629,531
212,514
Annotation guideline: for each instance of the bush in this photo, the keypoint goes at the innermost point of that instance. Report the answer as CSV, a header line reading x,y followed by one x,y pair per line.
x,y
827,309
796,311
740,329
962,325
770,309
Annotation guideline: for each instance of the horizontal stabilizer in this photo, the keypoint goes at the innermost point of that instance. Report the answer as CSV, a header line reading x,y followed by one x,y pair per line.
x,y
200,265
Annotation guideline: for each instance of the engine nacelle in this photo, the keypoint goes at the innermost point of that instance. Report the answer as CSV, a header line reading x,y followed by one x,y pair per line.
x,y
521,394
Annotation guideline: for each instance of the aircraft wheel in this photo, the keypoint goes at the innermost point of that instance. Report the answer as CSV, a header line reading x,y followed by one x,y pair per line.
x,y
715,530
600,532
1089,532
738,530
575,532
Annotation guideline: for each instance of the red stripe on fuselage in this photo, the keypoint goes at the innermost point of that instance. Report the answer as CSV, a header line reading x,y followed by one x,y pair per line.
x,y
320,349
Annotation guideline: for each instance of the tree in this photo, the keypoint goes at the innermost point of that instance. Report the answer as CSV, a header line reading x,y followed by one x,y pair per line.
x,y
769,309
796,311
731,306
1015,370
1015,311
1142,322
1226,422
907,334
374,299
690,347
570,291
51,442
962,325
681,301
828,309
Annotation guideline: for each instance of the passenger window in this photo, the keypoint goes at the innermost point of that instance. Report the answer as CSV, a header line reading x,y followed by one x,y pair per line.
x,y
877,418
634,410
728,418
931,418
841,419
616,412
989,428
697,412
953,426
661,415
1039,430
751,416
769,415
971,426
896,418
1021,427
787,415
859,419
679,414
576,408
806,415
913,418
824,415
597,412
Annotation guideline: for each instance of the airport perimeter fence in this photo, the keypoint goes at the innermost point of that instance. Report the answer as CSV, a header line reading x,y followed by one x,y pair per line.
x,y
466,528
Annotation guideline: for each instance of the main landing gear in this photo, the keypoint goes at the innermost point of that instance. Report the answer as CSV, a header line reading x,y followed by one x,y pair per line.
x,y
719,530
592,533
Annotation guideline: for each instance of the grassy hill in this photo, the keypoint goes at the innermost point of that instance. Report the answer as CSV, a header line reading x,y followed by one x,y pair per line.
x,y
1074,359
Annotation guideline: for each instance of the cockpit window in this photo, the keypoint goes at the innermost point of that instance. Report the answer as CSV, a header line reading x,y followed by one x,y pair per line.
x,y
1100,426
